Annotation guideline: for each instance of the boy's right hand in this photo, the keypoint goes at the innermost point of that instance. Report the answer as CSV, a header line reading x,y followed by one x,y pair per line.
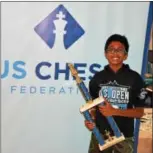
x,y
89,125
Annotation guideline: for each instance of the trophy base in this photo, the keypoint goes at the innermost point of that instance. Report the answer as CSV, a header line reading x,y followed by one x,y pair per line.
x,y
109,143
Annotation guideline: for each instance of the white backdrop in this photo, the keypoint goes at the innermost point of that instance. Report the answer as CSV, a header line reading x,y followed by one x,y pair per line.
x,y
42,116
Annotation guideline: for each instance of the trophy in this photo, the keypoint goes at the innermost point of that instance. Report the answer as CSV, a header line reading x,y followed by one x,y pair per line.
x,y
110,140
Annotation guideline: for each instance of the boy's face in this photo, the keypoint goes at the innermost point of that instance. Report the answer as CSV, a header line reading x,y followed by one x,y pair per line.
x,y
116,53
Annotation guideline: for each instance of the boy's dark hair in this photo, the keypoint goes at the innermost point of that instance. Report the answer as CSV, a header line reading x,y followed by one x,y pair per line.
x,y
120,38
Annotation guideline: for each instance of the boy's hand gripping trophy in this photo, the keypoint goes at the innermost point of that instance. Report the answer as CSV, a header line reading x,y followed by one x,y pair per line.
x,y
111,140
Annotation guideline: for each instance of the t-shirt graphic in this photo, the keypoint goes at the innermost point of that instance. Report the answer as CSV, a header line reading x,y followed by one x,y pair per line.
x,y
117,95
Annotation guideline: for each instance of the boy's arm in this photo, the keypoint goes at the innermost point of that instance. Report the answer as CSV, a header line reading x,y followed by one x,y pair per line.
x,y
108,110
133,112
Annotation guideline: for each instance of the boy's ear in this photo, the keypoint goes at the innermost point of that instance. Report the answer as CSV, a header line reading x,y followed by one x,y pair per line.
x,y
126,56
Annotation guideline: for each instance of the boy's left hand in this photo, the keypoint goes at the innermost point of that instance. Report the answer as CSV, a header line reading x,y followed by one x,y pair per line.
x,y
107,109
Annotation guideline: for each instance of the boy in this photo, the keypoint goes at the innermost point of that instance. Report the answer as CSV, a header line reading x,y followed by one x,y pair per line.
x,y
124,92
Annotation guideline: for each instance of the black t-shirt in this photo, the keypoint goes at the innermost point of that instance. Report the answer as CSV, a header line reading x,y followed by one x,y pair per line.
x,y
124,89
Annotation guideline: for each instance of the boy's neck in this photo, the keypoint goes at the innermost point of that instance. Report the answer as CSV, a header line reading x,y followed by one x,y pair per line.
x,y
115,68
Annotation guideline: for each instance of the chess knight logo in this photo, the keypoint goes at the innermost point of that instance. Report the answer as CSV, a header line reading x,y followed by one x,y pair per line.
x,y
59,28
